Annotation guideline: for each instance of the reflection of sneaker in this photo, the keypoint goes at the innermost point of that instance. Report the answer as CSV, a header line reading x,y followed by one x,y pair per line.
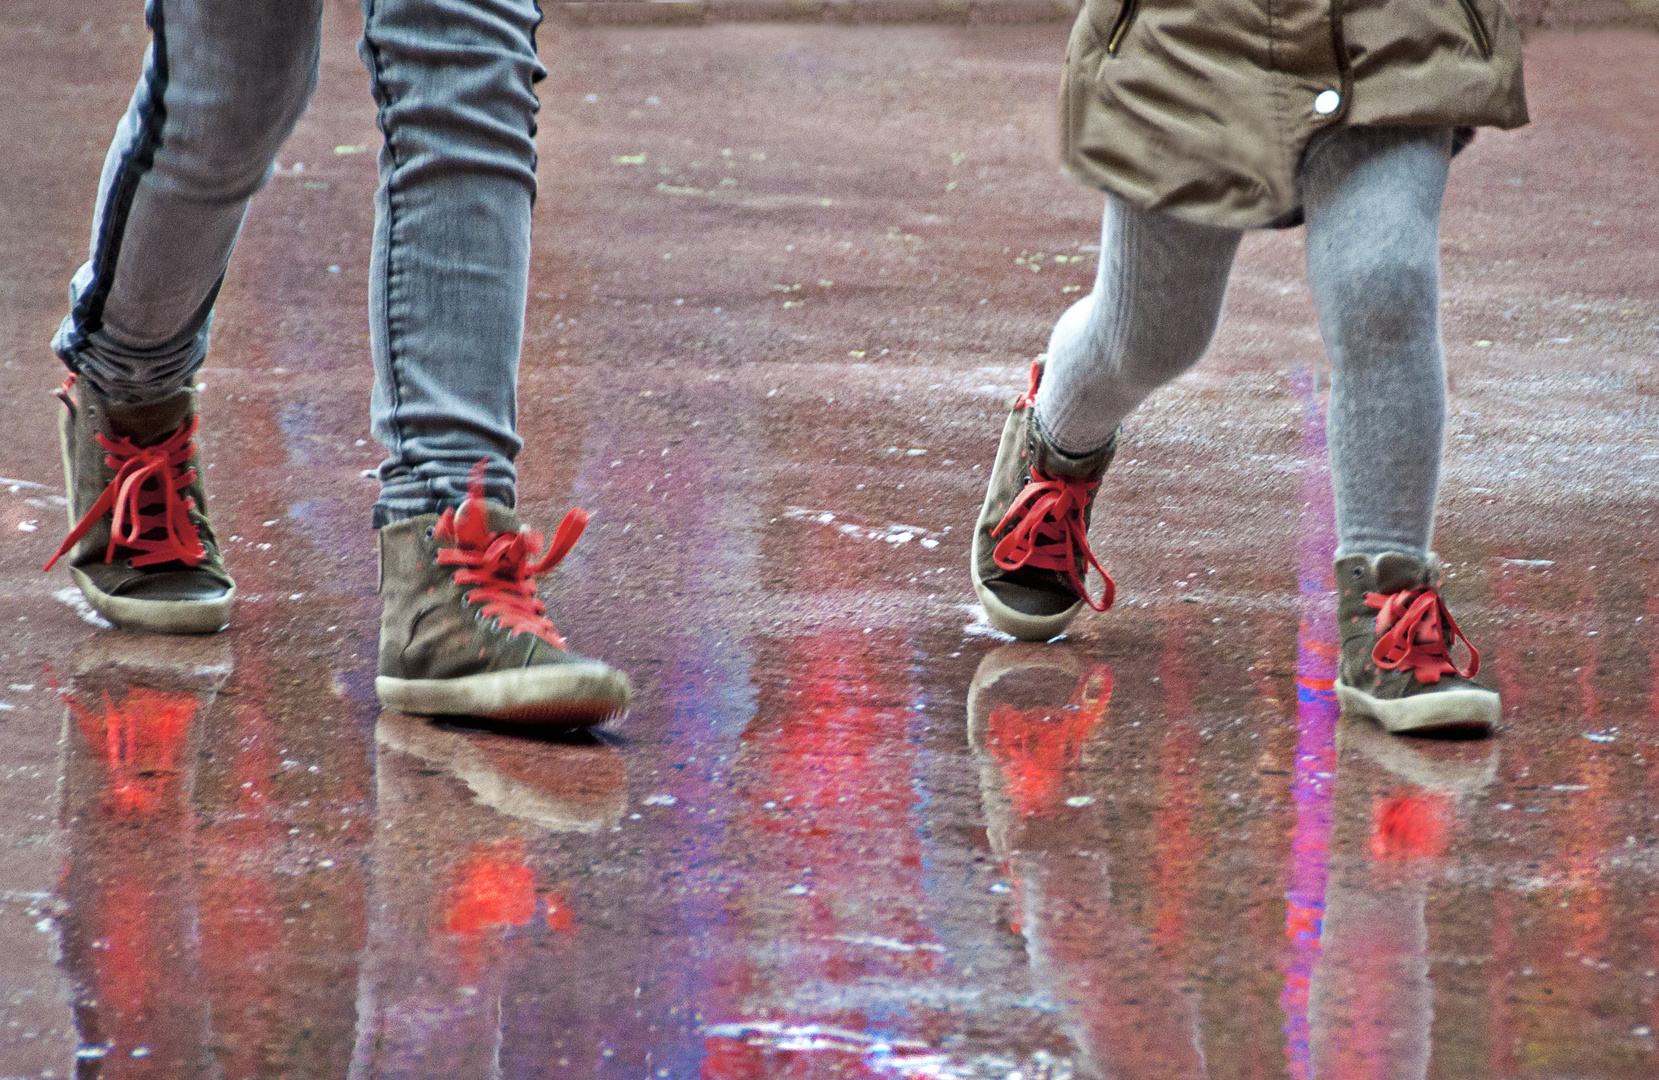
x,y
1031,544
140,547
136,703
462,632
193,665
563,787
458,871
1444,767
1397,638
1030,710
1413,820
139,907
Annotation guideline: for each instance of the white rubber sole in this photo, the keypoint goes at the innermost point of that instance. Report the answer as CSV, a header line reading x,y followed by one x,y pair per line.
x,y
1466,709
158,616
574,694
1017,623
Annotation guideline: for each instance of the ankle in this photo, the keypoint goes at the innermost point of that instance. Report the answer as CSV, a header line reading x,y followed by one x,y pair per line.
x,y
124,395
1066,453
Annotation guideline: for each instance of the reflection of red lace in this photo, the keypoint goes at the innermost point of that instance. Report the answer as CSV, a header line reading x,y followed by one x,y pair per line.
x,y
1035,747
1416,632
1409,827
1046,530
504,565
145,495
141,740
491,888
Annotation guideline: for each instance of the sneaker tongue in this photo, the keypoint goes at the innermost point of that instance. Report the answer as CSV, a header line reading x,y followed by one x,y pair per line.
x,y
501,519
1396,571
476,520
152,422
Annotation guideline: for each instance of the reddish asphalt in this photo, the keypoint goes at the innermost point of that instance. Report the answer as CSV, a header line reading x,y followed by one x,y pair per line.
x,y
786,276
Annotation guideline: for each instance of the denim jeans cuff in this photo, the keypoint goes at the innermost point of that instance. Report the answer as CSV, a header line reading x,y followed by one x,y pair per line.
x,y
389,512
405,501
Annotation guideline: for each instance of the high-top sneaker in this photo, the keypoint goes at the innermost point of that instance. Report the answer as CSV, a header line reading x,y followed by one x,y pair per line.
x,y
1031,544
1397,638
140,547
462,632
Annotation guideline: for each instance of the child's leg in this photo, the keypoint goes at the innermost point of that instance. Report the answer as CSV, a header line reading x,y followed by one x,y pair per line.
x,y
1372,197
1156,299
224,83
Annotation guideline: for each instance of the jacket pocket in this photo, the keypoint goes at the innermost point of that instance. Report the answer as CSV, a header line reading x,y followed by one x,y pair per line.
x,y
1477,28
1126,19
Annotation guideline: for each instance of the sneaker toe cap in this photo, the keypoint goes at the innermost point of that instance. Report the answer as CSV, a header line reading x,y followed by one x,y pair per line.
x,y
174,586
1029,600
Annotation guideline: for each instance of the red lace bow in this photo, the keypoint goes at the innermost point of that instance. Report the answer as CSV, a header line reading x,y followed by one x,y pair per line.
x,y
1048,527
1415,632
137,511
1048,533
504,565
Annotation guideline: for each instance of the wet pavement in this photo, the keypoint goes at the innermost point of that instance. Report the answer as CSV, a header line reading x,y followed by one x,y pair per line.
x,y
786,277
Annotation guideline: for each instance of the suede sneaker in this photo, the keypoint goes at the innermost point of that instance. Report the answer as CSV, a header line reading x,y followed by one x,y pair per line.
x,y
1397,638
139,545
1031,544
462,632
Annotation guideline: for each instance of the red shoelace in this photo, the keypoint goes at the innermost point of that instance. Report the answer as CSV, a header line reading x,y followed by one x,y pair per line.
x,y
1046,530
136,511
504,565
1415,632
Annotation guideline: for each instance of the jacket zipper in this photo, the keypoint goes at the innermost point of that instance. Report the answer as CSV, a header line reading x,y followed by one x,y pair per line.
x,y
1477,25
1126,17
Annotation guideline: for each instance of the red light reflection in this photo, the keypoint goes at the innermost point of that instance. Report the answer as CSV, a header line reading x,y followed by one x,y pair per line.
x,y
141,742
829,798
560,917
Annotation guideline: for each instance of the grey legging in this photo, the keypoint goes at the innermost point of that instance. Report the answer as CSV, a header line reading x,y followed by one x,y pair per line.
x,y
1372,199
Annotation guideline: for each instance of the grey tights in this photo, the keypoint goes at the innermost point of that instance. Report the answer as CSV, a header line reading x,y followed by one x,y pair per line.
x,y
1372,199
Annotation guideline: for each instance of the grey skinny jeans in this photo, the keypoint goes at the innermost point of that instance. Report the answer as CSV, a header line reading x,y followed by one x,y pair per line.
x,y
224,83
1372,199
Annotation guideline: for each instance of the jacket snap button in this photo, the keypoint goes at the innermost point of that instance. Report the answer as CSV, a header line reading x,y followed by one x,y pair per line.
x,y
1327,102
